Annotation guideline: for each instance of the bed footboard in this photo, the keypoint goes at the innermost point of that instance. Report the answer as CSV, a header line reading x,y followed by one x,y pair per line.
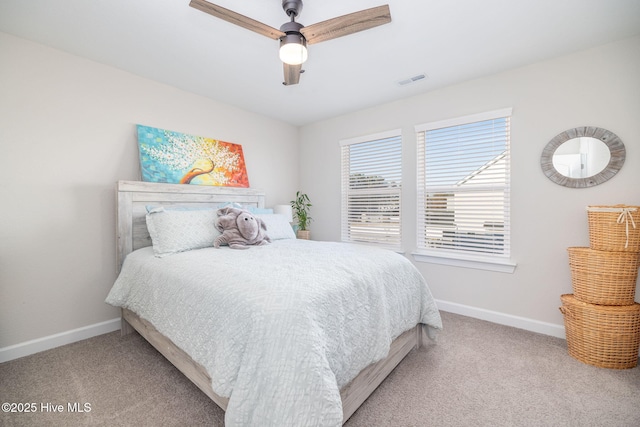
x,y
357,391
125,327
178,358
353,394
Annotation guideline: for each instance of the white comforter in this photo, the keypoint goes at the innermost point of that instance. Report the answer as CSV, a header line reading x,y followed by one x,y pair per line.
x,y
280,328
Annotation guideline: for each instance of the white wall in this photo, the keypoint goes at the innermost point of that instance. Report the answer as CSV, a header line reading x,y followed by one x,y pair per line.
x,y
67,134
599,87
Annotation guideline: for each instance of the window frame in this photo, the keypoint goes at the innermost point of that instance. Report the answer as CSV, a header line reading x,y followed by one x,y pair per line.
x,y
346,191
453,257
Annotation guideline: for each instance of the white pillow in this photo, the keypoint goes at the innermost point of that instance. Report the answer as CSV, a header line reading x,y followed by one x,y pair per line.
x,y
174,231
277,226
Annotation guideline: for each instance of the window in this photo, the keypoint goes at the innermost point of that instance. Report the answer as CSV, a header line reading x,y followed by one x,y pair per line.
x,y
463,191
371,187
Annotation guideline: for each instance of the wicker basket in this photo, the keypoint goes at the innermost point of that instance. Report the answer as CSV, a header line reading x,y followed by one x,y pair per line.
x,y
602,336
614,228
603,277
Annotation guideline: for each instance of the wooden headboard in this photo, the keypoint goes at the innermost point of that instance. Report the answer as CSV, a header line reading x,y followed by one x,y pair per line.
x,y
133,197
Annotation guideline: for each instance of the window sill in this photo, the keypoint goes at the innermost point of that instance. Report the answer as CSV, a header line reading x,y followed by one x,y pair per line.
x,y
479,263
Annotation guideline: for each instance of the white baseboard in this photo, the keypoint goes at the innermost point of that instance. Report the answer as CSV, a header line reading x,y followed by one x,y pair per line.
x,y
503,319
75,335
52,341
68,337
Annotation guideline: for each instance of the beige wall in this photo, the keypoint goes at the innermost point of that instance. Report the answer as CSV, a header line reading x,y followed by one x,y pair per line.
x,y
599,87
67,134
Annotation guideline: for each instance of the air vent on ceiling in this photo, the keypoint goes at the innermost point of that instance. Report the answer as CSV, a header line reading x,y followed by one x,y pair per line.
x,y
413,79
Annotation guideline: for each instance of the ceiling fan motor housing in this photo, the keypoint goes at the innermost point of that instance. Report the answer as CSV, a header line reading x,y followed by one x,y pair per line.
x,y
293,35
291,28
292,7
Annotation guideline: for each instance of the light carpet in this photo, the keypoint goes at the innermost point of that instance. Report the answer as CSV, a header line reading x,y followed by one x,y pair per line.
x,y
477,374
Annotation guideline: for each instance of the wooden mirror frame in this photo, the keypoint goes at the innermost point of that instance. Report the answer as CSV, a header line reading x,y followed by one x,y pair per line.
x,y
611,140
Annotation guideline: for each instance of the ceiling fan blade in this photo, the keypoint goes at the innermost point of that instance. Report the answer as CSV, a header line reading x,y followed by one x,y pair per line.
x,y
292,74
236,18
346,24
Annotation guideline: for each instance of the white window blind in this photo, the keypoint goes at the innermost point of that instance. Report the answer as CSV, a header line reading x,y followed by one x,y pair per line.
x,y
463,186
371,189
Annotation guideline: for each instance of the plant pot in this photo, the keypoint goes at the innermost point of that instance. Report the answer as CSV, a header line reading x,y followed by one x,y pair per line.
x,y
304,234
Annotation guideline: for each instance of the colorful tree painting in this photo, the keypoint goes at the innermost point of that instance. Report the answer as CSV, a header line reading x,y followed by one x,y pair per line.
x,y
174,157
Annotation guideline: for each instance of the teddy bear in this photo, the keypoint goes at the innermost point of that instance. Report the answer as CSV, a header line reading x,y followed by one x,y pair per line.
x,y
239,229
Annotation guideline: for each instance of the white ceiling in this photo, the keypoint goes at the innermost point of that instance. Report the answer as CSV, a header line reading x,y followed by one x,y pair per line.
x,y
448,40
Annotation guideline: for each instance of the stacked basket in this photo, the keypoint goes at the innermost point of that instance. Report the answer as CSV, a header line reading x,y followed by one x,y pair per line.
x,y
602,319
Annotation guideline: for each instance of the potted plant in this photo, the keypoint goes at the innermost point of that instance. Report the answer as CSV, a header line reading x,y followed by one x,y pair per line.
x,y
301,206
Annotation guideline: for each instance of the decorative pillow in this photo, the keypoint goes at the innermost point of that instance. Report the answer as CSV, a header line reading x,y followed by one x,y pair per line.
x,y
255,210
174,231
277,226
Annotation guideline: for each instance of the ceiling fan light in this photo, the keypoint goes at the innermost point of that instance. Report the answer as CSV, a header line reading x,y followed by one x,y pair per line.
x,y
293,49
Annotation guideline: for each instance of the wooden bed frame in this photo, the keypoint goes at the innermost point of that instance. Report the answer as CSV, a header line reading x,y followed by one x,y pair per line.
x,y
132,234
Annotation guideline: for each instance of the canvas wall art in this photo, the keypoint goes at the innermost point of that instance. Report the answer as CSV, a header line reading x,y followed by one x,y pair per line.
x,y
178,158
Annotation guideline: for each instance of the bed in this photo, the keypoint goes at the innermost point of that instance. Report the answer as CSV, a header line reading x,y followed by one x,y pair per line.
x,y
287,338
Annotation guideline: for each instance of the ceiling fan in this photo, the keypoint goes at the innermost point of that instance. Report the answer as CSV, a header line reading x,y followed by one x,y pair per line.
x,y
293,36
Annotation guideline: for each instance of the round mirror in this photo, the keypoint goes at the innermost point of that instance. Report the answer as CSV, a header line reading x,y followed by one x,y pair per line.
x,y
583,157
